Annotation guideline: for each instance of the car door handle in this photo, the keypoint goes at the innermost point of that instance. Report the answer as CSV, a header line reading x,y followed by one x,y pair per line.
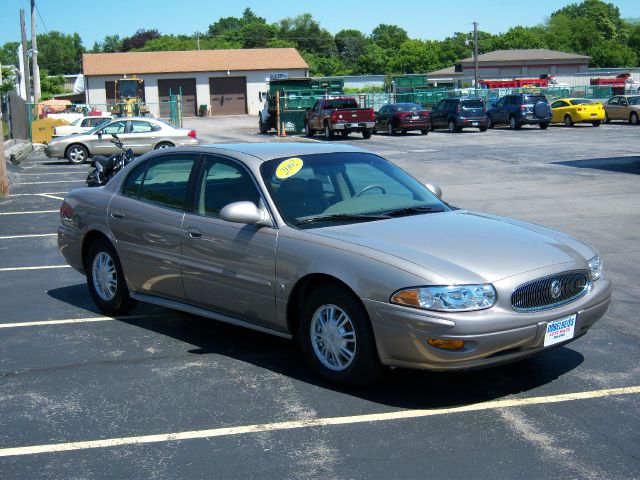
x,y
117,214
193,232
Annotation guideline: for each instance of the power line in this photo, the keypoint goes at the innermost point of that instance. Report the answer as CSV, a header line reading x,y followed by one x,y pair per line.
x,y
39,15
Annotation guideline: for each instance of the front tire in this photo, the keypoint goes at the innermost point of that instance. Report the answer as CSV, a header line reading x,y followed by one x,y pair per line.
x,y
162,145
106,280
262,126
390,130
606,118
77,154
337,339
308,131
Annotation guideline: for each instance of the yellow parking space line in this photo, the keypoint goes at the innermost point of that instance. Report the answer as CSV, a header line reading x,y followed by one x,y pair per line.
x,y
75,320
318,422
44,267
31,235
29,213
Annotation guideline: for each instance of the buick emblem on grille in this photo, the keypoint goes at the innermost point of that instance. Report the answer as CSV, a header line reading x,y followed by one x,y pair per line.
x,y
556,289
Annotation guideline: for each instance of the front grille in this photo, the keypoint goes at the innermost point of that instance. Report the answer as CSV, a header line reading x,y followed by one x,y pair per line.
x,y
550,292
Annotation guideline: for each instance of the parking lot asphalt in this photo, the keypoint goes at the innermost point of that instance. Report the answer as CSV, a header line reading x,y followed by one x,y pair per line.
x,y
161,394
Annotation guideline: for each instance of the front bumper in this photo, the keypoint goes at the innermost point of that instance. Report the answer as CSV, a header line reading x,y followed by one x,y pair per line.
x,y
54,151
355,126
491,336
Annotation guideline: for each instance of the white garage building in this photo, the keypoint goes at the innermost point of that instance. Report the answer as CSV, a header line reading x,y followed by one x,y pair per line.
x,y
229,82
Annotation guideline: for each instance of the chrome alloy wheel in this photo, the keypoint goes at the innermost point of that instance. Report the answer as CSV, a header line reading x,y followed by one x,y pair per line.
x,y
105,276
77,154
333,337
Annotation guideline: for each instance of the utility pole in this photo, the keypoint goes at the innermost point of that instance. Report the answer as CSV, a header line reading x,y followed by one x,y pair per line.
x,y
475,53
4,183
25,58
34,49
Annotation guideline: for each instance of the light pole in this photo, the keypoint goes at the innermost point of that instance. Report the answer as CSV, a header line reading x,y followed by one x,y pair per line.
x,y
475,54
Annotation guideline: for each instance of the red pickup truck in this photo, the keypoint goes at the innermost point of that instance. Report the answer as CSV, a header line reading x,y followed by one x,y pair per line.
x,y
340,114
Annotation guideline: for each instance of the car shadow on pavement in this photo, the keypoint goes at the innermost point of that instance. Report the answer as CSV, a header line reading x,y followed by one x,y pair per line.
x,y
401,388
610,164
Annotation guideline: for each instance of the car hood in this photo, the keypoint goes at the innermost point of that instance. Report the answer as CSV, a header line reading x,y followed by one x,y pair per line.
x,y
465,246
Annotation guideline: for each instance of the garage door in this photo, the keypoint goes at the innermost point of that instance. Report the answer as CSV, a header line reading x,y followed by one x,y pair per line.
x,y
228,95
173,86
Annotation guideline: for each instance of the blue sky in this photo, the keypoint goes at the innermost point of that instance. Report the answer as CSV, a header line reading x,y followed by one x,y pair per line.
x,y
426,19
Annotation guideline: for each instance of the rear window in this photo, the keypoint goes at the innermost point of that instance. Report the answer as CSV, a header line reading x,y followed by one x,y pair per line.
x,y
580,101
531,99
340,103
472,103
634,100
408,107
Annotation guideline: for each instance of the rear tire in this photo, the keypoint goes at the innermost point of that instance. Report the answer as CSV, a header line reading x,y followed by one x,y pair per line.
x,y
452,127
106,280
606,118
366,134
544,126
483,129
490,123
336,337
568,121
633,118
596,123
513,123
328,133
424,131
262,126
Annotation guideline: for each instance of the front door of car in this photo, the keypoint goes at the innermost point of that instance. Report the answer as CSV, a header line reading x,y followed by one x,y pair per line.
x,y
499,115
228,267
146,217
437,114
314,116
381,118
558,110
100,142
612,108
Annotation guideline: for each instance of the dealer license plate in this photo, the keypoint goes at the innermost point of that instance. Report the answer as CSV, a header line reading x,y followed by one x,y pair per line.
x,y
560,330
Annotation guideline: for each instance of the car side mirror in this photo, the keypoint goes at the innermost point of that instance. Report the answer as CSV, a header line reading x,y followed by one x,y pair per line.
x,y
435,189
245,212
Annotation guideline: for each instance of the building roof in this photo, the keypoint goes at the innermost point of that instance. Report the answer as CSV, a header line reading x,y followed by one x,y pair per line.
x,y
445,72
525,54
191,61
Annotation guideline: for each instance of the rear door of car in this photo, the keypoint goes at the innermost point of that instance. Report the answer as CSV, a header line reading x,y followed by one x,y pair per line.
x,y
145,218
100,142
228,267
140,136
438,114
499,114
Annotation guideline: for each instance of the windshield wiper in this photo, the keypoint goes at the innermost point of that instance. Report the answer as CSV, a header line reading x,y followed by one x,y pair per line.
x,y
411,210
340,217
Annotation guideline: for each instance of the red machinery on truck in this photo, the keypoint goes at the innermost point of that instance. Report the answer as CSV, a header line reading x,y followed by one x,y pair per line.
x,y
542,81
620,84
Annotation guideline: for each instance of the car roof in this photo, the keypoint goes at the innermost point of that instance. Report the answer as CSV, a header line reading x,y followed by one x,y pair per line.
x,y
264,151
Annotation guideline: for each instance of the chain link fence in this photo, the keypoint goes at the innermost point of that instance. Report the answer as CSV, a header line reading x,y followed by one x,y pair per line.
x,y
293,108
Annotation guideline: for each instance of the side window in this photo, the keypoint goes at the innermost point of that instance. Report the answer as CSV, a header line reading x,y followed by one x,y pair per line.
x,y
86,122
613,101
623,102
115,127
138,126
316,107
163,183
223,183
441,106
558,104
501,102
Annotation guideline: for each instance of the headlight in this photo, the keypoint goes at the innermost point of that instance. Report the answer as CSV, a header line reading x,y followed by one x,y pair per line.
x,y
595,267
454,298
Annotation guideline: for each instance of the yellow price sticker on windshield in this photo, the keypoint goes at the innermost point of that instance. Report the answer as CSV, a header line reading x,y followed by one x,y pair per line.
x,y
289,168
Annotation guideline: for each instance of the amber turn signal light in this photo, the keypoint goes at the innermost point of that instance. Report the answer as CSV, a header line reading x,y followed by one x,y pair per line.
x,y
445,344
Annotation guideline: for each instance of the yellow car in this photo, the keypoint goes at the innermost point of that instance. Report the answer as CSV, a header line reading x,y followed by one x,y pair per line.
x,y
574,110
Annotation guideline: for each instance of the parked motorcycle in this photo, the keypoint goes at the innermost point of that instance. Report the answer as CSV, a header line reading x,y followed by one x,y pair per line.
x,y
104,168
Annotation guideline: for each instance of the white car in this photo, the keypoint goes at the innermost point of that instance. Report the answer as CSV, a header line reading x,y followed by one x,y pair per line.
x,y
81,125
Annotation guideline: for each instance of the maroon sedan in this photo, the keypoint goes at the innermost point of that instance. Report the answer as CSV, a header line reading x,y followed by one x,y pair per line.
x,y
402,117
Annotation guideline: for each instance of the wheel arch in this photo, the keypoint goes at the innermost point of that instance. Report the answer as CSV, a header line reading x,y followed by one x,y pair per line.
x,y
86,147
89,239
305,285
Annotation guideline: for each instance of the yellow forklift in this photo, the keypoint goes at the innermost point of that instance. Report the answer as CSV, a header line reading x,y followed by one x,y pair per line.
x,y
129,95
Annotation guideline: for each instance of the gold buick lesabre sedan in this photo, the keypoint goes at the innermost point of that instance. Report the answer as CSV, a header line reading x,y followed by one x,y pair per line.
x,y
335,247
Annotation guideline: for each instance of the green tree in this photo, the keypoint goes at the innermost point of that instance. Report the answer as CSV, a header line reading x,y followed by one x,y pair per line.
x,y
110,44
323,66
307,34
250,31
389,37
416,56
610,53
185,42
8,79
603,17
50,85
60,53
350,44
523,37
373,61
9,53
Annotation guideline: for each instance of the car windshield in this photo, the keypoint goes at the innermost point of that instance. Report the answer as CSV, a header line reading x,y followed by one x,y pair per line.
x,y
634,100
336,188
76,121
95,129
580,101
